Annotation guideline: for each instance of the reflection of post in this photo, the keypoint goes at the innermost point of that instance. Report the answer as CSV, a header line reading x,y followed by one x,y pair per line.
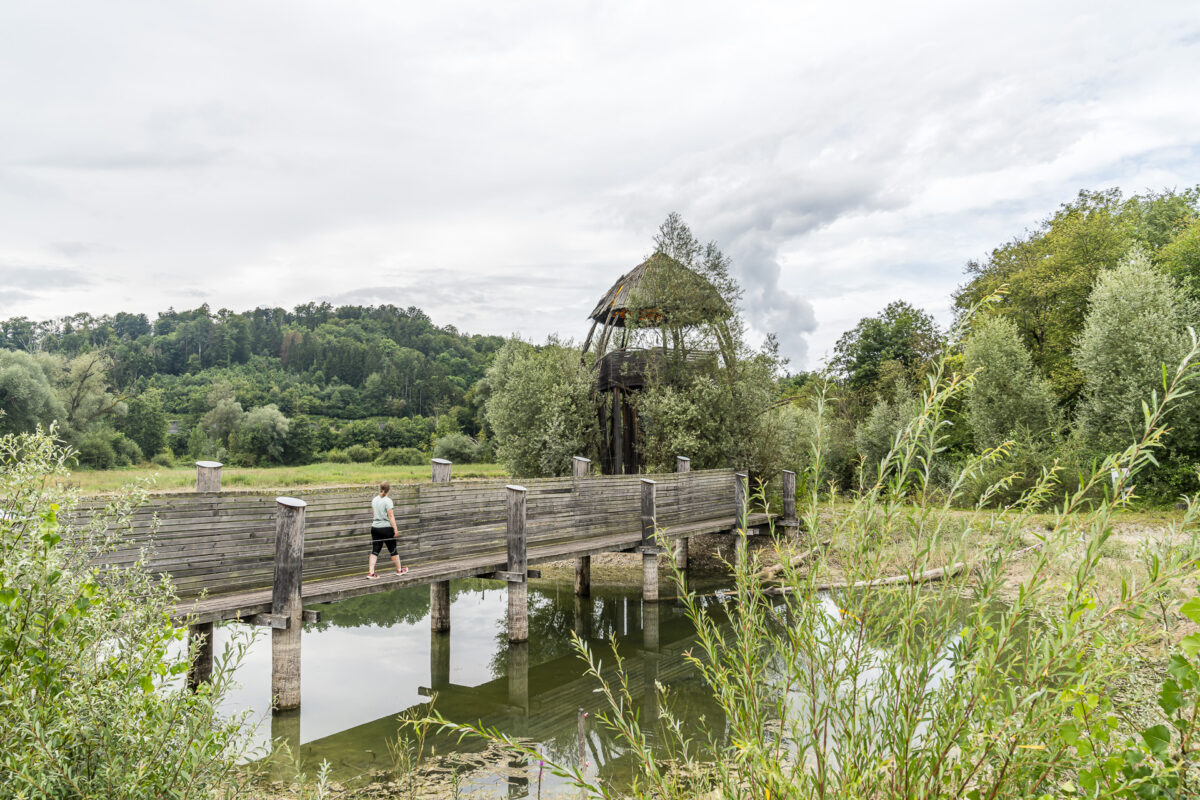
x,y
649,546
518,784
682,464
518,589
200,670
285,729
285,602
583,618
439,659
650,625
518,675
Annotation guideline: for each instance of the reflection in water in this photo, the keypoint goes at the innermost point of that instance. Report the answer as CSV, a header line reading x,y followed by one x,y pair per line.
x,y
374,657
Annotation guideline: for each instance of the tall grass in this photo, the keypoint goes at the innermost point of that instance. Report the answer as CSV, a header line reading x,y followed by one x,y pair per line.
x,y
1000,680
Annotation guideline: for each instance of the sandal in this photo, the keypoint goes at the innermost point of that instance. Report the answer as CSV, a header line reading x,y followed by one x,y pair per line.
x,y
372,576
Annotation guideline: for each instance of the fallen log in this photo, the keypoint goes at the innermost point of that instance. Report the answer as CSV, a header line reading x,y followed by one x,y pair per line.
x,y
928,576
767,573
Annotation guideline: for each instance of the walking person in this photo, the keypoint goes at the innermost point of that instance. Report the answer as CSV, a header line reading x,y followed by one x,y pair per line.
x,y
383,531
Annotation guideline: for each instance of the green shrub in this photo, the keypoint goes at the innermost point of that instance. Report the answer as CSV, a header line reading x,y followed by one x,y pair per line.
x,y
95,449
401,457
457,447
91,697
359,454
337,457
1008,397
165,460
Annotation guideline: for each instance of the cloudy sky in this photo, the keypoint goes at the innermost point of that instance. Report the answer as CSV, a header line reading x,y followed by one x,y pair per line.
x,y
500,164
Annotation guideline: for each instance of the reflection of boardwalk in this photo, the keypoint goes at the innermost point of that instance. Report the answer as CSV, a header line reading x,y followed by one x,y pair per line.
x,y
540,702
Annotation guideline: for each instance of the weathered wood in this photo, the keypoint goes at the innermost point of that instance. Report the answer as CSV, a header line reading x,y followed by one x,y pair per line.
x,y
200,636
649,558
441,470
683,464
768,573
928,576
789,496
518,593
518,675
439,606
580,466
286,601
741,500
583,576
208,476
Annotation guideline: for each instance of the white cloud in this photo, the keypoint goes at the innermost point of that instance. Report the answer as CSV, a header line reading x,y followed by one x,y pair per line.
x,y
500,165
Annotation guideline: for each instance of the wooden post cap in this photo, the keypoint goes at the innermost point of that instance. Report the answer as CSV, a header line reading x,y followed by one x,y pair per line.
x,y
441,461
581,458
209,464
516,488
682,458
649,481
291,502
788,472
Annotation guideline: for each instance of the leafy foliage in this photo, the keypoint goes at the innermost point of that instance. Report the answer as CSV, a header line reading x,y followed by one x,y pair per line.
x,y
1008,396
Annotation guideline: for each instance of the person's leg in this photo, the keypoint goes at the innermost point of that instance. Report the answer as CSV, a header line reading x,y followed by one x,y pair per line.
x,y
371,564
376,546
391,543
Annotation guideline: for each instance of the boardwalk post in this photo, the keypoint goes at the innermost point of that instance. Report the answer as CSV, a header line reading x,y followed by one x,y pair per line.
x,y
583,565
208,479
740,500
649,546
518,589
650,626
789,497
441,470
682,464
208,476
286,602
439,591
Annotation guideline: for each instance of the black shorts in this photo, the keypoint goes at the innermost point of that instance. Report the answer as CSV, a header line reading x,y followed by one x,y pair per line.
x,y
380,537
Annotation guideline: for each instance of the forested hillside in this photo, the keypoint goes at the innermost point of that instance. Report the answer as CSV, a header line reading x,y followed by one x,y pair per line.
x,y
262,386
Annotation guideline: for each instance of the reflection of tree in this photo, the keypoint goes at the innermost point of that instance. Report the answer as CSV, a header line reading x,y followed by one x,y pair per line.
x,y
397,607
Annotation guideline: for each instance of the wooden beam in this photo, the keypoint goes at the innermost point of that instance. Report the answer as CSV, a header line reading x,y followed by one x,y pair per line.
x,y
286,602
518,592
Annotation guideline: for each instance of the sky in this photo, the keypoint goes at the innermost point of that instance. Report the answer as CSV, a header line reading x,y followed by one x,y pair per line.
x,y
500,165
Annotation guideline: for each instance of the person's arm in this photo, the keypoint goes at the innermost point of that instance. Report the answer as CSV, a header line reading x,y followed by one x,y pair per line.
x,y
392,519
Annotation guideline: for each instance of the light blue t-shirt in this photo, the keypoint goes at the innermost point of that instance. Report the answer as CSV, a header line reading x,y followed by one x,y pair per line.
x,y
382,505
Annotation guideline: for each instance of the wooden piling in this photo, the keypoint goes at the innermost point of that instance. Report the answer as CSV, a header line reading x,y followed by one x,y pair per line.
x,y
649,545
583,565
200,670
286,602
682,464
208,476
518,589
439,591
740,499
789,497
441,470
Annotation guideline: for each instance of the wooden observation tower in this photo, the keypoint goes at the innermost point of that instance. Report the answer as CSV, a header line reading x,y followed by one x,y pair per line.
x,y
659,323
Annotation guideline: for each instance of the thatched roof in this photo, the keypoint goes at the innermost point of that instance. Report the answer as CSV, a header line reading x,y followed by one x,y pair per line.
x,y
661,290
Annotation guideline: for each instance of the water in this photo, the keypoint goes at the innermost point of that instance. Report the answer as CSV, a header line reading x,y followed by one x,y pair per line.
x,y
373,658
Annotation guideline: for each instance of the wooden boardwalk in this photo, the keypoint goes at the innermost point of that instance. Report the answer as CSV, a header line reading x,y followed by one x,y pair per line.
x,y
257,558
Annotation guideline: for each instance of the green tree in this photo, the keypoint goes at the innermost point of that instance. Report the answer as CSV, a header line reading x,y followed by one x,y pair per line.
x,y
262,435
145,422
27,394
224,416
1136,324
91,696
1008,396
899,336
540,408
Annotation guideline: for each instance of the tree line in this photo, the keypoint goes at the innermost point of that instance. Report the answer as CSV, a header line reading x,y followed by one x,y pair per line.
x,y
257,387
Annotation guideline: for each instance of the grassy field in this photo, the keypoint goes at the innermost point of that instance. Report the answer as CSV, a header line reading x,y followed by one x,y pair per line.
x,y
184,478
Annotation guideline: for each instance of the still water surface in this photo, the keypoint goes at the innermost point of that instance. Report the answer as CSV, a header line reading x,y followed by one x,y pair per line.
x,y
373,658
